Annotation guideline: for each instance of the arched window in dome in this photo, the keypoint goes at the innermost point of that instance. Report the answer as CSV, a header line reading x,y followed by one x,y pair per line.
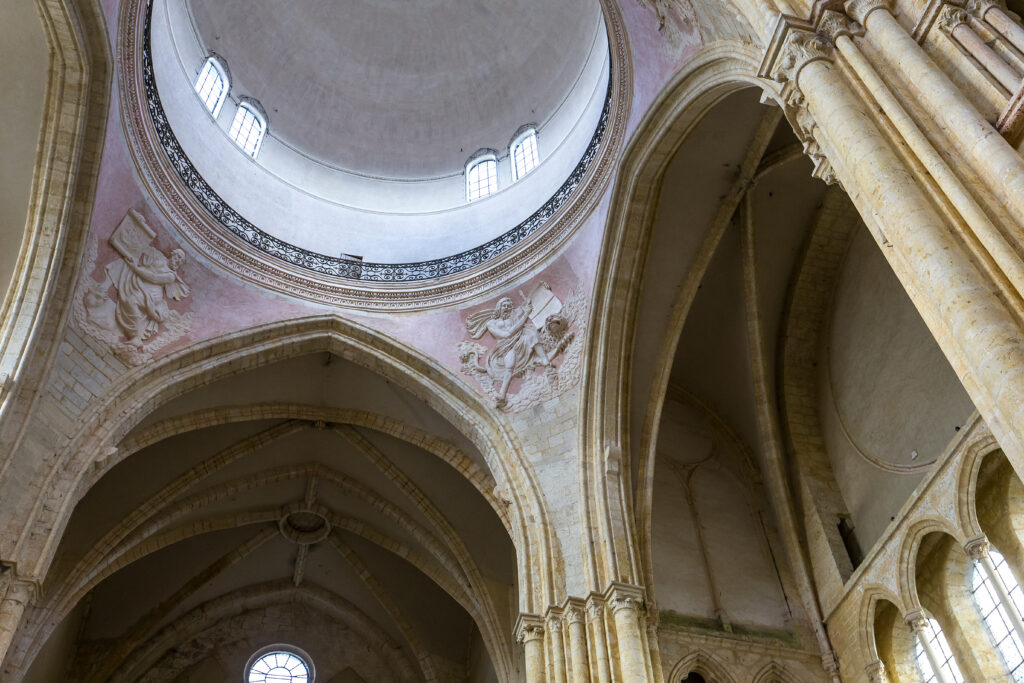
x,y
249,127
994,612
212,84
272,665
523,153
937,643
481,176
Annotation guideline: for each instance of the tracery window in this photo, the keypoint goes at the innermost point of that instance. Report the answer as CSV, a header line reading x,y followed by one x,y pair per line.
x,y
481,177
994,612
248,129
938,643
524,154
212,85
278,666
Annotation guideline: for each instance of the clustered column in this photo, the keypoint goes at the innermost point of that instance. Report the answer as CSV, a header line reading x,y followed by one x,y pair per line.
x,y
587,640
975,328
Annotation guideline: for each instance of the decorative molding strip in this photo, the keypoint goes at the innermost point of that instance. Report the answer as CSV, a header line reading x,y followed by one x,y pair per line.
x,y
335,266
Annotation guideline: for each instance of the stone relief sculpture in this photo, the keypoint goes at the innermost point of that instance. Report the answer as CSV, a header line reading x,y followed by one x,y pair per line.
x,y
676,22
129,309
527,338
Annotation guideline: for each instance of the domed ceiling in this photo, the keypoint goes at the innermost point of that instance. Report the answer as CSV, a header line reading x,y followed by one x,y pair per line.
x,y
396,88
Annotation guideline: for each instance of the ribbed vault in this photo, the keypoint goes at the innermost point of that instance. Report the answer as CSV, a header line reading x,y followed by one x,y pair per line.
x,y
333,494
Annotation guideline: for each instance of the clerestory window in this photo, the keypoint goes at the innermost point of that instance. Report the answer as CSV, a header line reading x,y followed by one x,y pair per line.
x,y
994,612
212,85
940,646
481,176
248,128
524,154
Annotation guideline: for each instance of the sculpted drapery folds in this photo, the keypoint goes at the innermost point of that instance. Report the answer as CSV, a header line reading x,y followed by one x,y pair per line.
x,y
142,287
519,341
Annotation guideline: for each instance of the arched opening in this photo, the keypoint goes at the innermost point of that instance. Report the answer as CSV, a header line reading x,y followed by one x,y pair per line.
x,y
710,543
308,501
894,643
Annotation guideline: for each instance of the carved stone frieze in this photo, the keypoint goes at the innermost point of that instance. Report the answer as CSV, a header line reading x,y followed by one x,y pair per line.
x,y
538,344
130,306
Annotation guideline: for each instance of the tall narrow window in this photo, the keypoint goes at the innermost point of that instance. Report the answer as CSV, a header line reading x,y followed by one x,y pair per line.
x,y
524,154
995,615
248,129
212,85
481,177
940,646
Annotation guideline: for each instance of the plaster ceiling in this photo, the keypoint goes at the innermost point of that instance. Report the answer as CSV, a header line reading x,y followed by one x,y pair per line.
x,y
400,89
23,79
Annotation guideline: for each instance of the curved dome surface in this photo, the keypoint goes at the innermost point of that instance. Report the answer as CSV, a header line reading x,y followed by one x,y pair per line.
x,y
401,89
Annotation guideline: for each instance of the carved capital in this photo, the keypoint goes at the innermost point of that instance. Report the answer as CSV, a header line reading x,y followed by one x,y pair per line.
x,y
977,548
621,601
595,610
951,16
979,7
800,48
834,24
859,10
876,672
529,630
574,615
917,622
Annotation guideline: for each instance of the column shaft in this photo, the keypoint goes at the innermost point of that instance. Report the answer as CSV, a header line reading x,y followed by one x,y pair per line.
x,y
973,43
534,648
968,320
596,613
556,645
631,644
981,145
578,649
998,20
993,241
921,631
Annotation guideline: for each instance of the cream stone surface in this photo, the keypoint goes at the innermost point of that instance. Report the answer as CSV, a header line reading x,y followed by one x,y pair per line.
x,y
750,410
